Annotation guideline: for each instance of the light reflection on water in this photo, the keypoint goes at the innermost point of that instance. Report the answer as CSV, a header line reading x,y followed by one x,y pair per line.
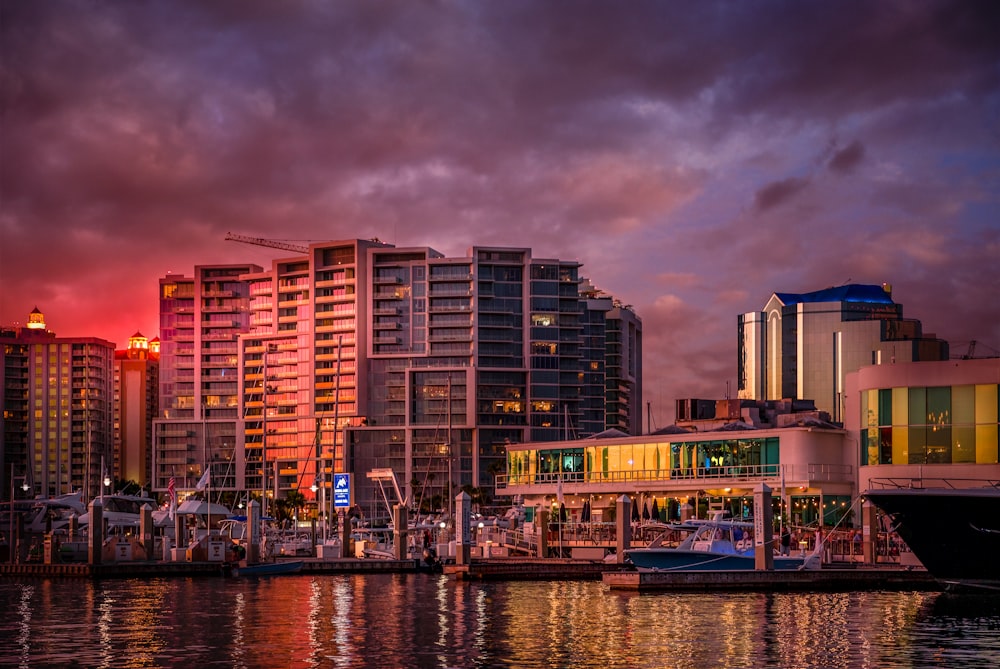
x,y
431,621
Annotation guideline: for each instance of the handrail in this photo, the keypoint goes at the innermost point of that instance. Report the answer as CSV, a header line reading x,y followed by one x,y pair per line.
x,y
734,473
919,482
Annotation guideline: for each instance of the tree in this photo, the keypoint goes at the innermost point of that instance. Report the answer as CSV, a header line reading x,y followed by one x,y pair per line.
x,y
296,500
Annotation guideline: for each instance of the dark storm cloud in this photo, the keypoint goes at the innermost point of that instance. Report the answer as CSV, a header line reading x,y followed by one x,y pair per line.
x,y
848,158
630,137
774,194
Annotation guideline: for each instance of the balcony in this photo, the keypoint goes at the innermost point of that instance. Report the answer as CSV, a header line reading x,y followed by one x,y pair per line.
x,y
450,293
436,277
466,336
333,283
458,309
327,299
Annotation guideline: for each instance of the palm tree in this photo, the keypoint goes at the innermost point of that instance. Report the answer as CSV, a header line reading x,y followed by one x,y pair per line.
x,y
296,500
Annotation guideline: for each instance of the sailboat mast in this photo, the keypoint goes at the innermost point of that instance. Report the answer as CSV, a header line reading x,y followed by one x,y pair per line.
x,y
336,421
451,508
263,439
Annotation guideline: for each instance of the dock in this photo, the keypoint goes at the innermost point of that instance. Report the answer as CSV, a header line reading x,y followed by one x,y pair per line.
x,y
531,569
158,569
774,581
615,576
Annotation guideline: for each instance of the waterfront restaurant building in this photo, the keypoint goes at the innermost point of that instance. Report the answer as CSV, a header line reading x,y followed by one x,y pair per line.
x,y
808,463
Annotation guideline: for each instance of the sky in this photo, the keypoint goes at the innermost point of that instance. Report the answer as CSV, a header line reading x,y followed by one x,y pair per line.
x,y
695,157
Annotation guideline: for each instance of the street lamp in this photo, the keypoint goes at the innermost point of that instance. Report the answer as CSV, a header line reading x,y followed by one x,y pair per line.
x,y
11,548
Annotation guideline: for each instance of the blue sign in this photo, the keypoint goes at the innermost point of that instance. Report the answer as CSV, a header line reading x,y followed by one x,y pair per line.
x,y
341,491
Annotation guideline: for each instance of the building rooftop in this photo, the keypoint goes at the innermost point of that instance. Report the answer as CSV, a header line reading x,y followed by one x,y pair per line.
x,y
848,293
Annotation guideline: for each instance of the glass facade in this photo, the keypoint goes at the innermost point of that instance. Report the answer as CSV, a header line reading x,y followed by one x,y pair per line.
x,y
930,425
649,461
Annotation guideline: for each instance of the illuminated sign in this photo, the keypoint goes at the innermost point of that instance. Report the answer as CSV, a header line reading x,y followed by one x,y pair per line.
x,y
341,491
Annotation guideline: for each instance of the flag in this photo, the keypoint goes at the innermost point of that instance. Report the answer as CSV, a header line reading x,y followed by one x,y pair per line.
x,y
559,490
172,495
204,480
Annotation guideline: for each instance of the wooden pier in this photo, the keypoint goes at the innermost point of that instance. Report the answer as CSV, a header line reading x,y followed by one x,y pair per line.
x,y
113,569
158,569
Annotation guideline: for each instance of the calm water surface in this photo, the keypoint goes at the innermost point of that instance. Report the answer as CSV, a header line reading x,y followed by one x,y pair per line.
x,y
431,621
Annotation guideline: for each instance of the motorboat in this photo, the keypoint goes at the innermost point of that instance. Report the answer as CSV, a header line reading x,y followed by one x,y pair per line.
x,y
716,545
201,514
954,532
120,511
292,543
45,514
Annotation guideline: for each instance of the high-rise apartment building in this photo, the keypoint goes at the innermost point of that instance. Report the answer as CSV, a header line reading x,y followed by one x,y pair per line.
x,y
615,346
57,406
356,356
801,346
136,404
624,374
201,319
471,354
300,363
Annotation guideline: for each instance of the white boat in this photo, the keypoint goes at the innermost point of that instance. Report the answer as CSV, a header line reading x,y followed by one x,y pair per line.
x,y
44,514
716,545
120,511
291,543
200,513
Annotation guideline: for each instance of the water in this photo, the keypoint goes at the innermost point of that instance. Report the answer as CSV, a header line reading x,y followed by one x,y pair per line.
x,y
431,621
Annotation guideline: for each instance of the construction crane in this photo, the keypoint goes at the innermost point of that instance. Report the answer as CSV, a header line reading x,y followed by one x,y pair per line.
x,y
273,243
970,354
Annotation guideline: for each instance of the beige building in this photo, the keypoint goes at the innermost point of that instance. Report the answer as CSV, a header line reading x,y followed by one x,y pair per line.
x,y
57,407
201,319
802,345
135,407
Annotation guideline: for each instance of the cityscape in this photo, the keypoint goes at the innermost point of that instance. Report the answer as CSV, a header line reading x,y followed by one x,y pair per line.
x,y
454,373
470,316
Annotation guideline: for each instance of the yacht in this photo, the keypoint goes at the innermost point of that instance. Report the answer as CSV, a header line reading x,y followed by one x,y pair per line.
x,y
953,531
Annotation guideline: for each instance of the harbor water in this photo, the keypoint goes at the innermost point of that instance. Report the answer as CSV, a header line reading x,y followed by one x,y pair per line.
x,y
421,620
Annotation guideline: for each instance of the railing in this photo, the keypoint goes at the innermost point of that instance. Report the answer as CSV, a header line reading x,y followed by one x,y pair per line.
x,y
933,482
725,473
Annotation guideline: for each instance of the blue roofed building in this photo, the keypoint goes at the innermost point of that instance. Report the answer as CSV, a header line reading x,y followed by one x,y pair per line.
x,y
802,345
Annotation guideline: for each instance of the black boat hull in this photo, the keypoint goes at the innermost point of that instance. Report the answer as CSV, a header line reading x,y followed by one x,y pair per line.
x,y
955,533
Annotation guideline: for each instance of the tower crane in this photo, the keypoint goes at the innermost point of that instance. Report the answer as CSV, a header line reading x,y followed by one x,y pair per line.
x,y
273,243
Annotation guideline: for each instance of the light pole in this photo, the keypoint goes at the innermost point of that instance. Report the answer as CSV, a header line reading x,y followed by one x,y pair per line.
x,y
451,455
10,536
268,348
105,481
320,486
